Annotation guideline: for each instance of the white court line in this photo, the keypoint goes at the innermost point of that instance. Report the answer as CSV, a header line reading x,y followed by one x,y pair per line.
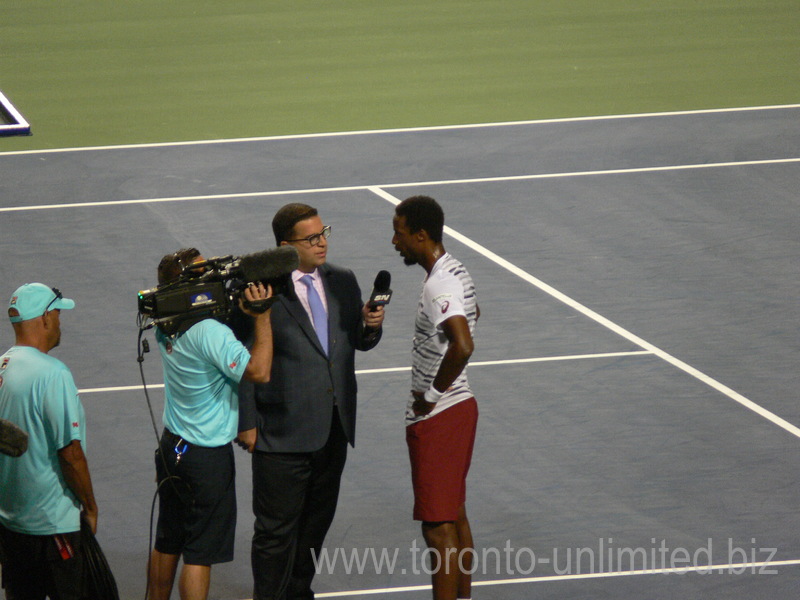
x,y
484,363
19,122
734,568
708,111
351,188
723,389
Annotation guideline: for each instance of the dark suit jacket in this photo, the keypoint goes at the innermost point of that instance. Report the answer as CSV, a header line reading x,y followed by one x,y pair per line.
x,y
293,411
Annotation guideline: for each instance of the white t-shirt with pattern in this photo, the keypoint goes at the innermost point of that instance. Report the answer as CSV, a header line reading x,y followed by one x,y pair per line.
x,y
447,292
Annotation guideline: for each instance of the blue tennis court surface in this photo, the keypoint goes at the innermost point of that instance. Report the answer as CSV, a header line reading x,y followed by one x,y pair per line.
x,y
636,358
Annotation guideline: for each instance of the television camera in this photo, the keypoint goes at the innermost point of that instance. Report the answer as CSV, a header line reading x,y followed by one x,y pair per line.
x,y
212,288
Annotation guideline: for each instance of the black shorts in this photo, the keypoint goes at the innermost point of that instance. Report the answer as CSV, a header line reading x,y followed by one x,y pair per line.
x,y
35,566
197,505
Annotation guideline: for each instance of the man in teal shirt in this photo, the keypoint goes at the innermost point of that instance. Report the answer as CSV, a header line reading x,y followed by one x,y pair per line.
x,y
44,492
197,499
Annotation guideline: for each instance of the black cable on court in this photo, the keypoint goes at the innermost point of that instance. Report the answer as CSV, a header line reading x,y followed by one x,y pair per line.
x,y
98,578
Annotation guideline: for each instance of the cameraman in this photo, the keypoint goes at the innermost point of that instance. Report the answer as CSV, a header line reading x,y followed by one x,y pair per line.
x,y
194,464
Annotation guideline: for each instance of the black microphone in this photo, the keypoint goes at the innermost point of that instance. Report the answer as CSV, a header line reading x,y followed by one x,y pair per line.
x,y
381,294
269,264
13,440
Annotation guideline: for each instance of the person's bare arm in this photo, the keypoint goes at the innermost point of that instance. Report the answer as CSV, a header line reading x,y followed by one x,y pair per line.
x,y
76,473
459,349
260,365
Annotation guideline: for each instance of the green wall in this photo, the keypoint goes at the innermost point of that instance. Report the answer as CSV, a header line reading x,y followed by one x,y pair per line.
x,y
89,73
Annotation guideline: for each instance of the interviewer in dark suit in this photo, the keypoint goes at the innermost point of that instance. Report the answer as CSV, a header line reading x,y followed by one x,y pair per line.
x,y
299,424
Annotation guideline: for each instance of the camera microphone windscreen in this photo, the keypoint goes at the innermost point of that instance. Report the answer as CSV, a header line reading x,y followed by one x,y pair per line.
x,y
269,264
381,294
13,440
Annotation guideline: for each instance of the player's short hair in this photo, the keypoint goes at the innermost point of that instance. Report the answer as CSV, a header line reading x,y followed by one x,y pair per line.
x,y
287,217
422,212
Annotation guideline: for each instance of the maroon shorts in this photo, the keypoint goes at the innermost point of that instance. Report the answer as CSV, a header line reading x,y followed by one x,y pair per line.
x,y
440,449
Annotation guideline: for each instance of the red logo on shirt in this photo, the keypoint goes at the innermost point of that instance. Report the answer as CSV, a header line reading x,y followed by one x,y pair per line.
x,y
75,424
445,306
233,365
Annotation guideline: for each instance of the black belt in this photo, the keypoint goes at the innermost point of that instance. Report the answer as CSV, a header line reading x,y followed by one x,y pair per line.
x,y
174,441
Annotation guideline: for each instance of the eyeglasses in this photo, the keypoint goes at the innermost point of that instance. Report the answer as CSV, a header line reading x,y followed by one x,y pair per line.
x,y
315,239
59,296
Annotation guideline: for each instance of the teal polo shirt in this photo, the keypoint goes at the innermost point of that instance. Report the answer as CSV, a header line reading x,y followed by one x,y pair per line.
x,y
202,370
38,394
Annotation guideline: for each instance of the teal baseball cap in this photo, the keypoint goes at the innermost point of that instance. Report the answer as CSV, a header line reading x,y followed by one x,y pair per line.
x,y
34,299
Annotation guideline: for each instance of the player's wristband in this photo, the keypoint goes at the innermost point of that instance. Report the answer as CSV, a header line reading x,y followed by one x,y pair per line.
x,y
432,395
